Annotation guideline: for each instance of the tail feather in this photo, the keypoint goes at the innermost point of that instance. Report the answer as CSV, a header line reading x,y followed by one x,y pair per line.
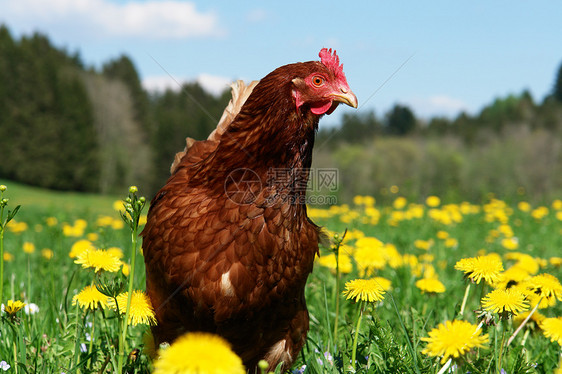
x,y
240,93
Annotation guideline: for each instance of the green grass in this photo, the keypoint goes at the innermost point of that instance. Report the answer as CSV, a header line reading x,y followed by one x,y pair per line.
x,y
75,203
56,339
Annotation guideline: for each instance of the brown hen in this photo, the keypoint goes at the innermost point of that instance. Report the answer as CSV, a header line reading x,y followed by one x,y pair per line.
x,y
228,245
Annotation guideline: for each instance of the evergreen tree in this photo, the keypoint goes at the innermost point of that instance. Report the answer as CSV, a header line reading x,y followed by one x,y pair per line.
x,y
557,92
124,70
400,120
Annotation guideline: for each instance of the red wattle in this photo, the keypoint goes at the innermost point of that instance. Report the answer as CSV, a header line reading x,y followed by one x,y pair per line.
x,y
321,108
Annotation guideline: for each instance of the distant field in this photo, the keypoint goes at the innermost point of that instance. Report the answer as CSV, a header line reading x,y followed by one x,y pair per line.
x,y
410,250
48,200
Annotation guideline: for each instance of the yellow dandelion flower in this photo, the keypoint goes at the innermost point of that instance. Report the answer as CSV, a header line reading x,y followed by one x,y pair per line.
x,y
47,253
510,243
433,201
12,307
99,260
454,338
506,230
118,224
427,257
369,259
394,189
555,261
552,328
8,257
539,212
79,247
486,267
400,202
385,284
17,227
90,298
115,251
524,206
451,243
92,236
369,242
369,201
410,260
126,269
103,221
423,244
511,277
393,257
358,200
199,353
352,234
52,221
28,247
430,285
441,234
141,310
329,261
118,206
364,290
536,317
545,286
524,261
505,301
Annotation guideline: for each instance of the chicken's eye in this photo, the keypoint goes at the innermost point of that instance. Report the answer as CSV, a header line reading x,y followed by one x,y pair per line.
x,y
317,81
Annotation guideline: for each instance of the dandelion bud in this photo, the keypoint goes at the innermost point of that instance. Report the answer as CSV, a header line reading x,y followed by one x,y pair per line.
x,y
142,199
263,364
128,200
336,236
4,201
3,188
133,189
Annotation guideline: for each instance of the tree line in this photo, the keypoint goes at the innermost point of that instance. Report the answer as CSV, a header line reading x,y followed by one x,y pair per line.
x,y
67,126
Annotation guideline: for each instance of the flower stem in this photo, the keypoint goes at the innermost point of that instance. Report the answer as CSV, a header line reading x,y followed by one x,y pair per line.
x,y
523,323
356,337
464,299
15,356
77,337
134,235
133,208
92,338
337,254
1,258
502,347
446,366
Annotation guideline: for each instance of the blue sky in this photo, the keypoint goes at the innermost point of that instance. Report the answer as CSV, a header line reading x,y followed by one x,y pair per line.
x,y
438,57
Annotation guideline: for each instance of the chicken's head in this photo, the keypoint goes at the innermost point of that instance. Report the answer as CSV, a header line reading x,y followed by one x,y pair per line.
x,y
324,87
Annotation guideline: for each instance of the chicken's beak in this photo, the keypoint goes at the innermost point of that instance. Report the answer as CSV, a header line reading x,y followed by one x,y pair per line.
x,y
346,96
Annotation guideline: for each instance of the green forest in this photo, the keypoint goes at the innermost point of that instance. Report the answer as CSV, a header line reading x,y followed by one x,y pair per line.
x,y
65,125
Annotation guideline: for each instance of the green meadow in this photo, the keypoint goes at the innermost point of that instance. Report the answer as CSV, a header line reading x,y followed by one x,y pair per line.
x,y
407,252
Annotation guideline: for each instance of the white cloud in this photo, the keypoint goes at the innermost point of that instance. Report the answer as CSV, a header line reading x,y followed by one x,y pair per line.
x,y
437,105
149,19
214,84
211,83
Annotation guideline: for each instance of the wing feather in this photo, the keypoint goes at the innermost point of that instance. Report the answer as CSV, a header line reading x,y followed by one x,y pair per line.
x,y
240,93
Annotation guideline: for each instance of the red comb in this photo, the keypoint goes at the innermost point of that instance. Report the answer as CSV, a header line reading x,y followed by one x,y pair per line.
x,y
331,61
